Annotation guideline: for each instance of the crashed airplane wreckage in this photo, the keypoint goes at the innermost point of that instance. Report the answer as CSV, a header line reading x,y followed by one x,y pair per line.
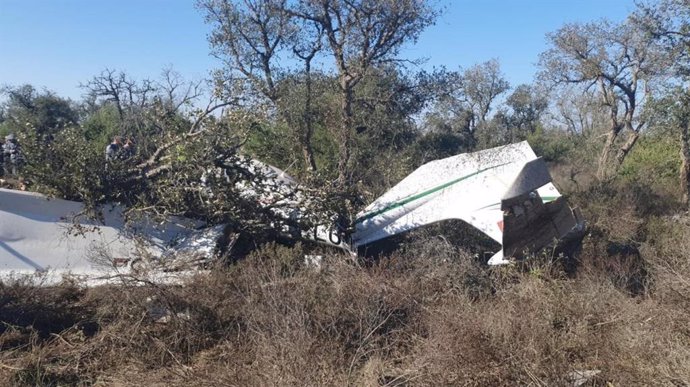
x,y
504,192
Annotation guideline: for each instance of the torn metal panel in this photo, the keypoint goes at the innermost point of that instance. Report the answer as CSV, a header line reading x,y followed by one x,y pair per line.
x,y
468,186
533,224
534,174
505,192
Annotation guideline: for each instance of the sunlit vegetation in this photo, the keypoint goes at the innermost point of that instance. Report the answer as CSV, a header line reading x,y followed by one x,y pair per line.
x,y
609,112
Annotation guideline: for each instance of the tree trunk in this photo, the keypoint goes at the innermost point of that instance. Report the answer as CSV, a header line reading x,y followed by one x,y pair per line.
x,y
307,150
603,169
685,164
344,148
625,149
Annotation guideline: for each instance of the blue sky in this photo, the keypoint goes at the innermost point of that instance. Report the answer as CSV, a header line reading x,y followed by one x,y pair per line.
x,y
56,44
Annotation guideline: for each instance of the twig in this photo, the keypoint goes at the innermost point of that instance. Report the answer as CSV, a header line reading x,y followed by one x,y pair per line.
x,y
62,339
10,367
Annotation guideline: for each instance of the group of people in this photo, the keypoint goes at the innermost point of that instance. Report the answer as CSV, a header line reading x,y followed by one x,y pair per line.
x,y
11,156
119,150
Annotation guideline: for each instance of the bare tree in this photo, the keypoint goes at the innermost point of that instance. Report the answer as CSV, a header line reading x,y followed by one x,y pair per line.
x,y
467,97
362,34
621,62
129,96
174,92
480,85
252,37
146,108
248,37
578,113
306,45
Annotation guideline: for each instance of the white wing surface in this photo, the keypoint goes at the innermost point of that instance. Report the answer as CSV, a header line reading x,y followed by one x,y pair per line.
x,y
468,186
37,235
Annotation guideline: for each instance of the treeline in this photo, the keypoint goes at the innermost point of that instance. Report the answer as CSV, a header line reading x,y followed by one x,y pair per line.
x,y
319,88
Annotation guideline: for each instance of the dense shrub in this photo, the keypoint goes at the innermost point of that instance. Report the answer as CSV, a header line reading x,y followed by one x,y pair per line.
x,y
552,145
654,161
431,316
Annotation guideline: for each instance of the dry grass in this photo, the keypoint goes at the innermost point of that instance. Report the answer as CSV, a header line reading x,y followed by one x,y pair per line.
x,y
432,318
430,315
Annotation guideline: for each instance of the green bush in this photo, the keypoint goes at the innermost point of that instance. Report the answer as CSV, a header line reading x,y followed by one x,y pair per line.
x,y
654,161
552,145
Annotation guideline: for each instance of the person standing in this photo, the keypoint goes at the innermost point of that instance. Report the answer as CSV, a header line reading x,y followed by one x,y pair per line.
x,y
113,149
2,157
12,155
128,149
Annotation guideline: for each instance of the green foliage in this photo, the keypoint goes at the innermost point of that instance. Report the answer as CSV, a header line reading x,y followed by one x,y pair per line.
x,y
436,145
44,113
552,145
275,144
527,105
102,125
497,131
325,151
69,167
5,128
254,38
385,101
272,144
654,161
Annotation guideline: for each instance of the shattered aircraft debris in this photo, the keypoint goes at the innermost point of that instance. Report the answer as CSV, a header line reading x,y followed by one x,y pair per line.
x,y
504,192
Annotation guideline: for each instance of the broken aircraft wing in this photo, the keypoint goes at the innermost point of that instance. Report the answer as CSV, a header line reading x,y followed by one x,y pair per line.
x,y
505,192
49,239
